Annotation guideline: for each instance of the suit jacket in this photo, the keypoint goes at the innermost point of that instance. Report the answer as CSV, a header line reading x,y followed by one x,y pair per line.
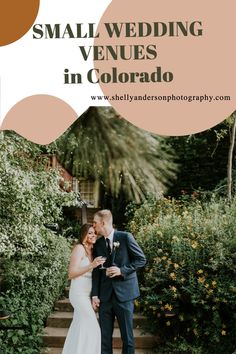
x,y
128,257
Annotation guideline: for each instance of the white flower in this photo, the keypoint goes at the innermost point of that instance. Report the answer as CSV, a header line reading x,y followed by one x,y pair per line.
x,y
116,244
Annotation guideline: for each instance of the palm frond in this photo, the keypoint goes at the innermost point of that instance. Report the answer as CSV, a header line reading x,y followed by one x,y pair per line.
x,y
103,146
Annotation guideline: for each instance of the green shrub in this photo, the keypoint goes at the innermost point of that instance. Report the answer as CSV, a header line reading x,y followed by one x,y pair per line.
x,y
189,284
30,197
33,258
33,285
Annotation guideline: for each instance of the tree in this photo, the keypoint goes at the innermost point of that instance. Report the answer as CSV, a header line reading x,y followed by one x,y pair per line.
x,y
202,160
103,146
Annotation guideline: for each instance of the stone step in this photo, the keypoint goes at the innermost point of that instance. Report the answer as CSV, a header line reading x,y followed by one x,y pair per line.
x,y
55,338
63,305
63,320
66,292
115,351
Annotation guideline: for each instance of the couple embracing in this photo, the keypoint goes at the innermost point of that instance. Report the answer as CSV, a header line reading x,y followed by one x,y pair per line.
x,y
103,278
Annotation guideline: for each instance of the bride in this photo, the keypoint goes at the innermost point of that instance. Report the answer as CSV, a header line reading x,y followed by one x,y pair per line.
x,y
84,336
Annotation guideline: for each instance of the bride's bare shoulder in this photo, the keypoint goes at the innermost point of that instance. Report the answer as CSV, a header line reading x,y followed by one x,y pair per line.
x,y
78,248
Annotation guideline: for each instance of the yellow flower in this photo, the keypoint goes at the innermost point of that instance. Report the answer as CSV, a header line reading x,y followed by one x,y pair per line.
x,y
176,266
181,317
173,276
206,285
164,258
223,332
168,323
182,279
201,279
200,271
194,244
168,307
213,283
173,288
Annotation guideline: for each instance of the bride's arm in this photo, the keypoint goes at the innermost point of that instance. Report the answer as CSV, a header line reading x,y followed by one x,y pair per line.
x,y
75,269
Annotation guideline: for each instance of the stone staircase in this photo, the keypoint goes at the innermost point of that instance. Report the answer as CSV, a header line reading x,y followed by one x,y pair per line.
x,y
59,322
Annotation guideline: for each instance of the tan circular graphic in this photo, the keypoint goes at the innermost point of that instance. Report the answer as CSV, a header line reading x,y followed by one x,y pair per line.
x,y
168,66
40,118
16,18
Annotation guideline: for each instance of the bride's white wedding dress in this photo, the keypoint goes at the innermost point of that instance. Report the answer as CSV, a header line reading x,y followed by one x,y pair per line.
x,y
84,335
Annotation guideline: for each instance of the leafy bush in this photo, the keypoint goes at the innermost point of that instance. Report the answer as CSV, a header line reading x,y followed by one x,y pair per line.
x,y
33,258
33,284
189,284
30,197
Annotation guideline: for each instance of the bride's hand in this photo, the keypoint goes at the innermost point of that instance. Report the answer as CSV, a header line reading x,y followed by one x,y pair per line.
x,y
97,261
95,303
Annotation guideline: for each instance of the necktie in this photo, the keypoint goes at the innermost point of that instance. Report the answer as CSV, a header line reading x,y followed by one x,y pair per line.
x,y
108,245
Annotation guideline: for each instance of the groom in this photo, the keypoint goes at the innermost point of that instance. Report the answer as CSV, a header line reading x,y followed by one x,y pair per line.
x,y
115,288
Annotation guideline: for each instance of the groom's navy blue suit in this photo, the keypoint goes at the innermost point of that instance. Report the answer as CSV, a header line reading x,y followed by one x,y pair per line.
x,y
117,294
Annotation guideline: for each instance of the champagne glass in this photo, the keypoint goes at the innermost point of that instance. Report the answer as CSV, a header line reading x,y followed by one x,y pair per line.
x,y
104,260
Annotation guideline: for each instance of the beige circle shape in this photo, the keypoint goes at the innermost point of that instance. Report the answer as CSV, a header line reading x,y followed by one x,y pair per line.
x,y
16,18
202,92
40,118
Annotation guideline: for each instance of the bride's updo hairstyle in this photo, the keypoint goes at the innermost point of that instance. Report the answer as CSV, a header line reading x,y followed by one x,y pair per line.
x,y
83,233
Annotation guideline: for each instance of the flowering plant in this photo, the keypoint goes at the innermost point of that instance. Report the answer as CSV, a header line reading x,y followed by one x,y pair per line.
x,y
189,277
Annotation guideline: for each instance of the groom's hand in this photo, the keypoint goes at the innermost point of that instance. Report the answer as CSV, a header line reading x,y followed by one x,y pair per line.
x,y
95,303
113,272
